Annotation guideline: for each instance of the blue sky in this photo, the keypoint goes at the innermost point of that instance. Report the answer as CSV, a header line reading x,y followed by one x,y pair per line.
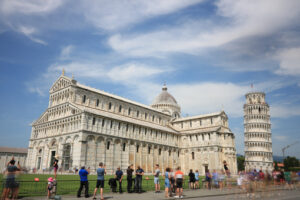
x,y
208,53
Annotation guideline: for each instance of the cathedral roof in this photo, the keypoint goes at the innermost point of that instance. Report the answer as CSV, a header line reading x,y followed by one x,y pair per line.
x,y
165,98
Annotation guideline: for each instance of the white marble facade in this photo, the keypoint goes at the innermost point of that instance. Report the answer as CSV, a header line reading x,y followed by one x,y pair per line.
x,y
85,126
258,137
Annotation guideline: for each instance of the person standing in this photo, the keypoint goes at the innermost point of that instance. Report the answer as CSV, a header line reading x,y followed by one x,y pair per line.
x,y
156,178
83,173
11,185
179,182
55,165
119,178
208,179
167,182
100,180
215,178
192,179
138,179
129,178
197,179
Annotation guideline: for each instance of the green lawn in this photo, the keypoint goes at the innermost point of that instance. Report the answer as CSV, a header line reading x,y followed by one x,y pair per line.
x,y
69,184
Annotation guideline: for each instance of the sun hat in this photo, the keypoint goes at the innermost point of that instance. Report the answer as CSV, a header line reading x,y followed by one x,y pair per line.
x,y
56,156
50,179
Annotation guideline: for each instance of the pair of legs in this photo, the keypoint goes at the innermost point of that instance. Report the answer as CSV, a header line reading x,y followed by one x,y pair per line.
x,y
138,184
55,172
129,184
179,189
120,186
196,184
86,187
100,183
157,185
192,184
167,190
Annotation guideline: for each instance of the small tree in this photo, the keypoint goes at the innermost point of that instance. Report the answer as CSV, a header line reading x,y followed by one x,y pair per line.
x,y
241,163
290,162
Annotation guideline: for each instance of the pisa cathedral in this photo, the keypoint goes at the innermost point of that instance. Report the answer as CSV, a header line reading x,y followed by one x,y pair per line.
x,y
258,137
85,126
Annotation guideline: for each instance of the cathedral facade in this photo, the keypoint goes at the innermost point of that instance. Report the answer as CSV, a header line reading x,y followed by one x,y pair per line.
x,y
84,126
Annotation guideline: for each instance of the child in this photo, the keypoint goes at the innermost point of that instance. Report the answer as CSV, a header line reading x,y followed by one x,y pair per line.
x,y
50,187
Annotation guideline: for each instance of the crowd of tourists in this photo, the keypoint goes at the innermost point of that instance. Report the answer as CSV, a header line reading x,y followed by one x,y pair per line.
x,y
248,181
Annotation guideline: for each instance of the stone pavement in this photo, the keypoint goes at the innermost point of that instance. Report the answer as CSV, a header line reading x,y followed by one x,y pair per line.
x,y
188,194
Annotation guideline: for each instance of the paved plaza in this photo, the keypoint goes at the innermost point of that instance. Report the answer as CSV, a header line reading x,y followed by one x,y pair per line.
x,y
274,194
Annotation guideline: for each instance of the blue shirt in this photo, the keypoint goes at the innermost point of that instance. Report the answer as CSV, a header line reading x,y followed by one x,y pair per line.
x,y
197,176
166,177
119,174
139,171
83,174
100,174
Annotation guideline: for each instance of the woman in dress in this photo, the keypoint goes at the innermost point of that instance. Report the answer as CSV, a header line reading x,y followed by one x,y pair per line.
x,y
55,165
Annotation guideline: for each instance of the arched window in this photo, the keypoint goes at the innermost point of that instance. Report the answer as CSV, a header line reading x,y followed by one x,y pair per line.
x,y
97,102
108,144
129,111
193,155
149,150
153,118
124,146
94,120
137,113
109,106
146,115
103,122
137,148
159,151
120,108
83,98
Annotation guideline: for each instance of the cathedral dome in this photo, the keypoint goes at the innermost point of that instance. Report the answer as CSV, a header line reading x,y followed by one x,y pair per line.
x,y
164,97
166,103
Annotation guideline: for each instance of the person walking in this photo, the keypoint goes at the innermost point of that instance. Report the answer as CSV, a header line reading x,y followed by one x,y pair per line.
x,y
192,179
167,182
138,179
119,178
83,173
129,178
100,180
179,177
156,178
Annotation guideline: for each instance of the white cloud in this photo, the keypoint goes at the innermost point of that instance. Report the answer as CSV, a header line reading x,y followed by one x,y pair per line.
x,y
114,14
289,61
284,111
66,52
279,137
12,7
29,32
242,19
129,74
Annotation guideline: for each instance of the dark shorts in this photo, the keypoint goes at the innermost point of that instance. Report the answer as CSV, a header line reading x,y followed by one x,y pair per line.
x,y
100,183
11,183
179,183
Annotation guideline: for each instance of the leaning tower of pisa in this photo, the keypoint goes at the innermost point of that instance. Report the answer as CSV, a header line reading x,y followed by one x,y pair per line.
x,y
257,128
